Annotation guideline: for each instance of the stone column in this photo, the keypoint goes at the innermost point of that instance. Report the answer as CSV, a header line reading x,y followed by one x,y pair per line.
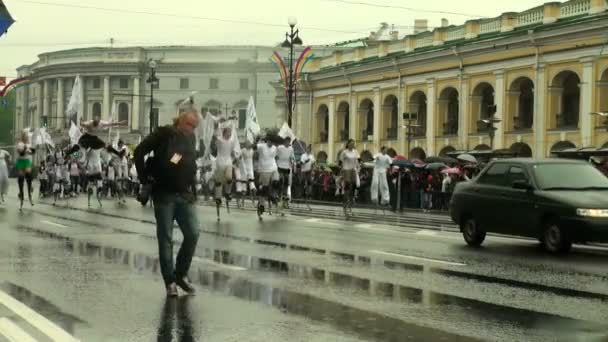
x,y
354,118
82,106
37,120
587,103
463,113
540,115
46,103
401,132
499,91
105,109
62,120
331,131
377,120
135,108
430,118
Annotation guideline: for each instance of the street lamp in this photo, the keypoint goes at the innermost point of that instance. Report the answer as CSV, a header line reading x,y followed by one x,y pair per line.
x,y
489,122
152,79
411,120
292,39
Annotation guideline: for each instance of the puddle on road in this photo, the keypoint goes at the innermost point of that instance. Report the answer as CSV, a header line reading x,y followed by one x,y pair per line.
x,y
363,322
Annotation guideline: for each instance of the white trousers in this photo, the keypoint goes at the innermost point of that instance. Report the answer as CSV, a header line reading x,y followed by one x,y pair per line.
x,y
380,185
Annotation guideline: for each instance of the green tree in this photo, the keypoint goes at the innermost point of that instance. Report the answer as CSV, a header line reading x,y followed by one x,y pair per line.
x,y
7,117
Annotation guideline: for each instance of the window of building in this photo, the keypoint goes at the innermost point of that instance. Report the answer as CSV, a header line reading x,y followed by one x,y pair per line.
x,y
96,109
184,83
214,83
123,112
242,118
124,83
244,84
97,83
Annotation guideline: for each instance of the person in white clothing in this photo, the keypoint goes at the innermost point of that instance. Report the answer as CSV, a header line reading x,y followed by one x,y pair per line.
x,y
244,173
228,151
267,172
350,164
379,181
285,160
307,161
4,159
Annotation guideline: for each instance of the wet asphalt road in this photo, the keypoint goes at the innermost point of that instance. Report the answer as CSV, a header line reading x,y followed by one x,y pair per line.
x,y
93,274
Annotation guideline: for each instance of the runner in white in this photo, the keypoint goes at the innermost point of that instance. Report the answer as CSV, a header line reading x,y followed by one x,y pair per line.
x,y
24,164
245,177
350,165
267,173
228,151
379,182
285,160
4,159
307,161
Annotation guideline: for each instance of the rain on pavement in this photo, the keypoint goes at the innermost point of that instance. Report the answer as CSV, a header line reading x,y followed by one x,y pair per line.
x,y
93,275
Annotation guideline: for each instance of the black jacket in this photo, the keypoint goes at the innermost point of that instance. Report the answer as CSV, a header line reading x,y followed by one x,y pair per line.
x,y
173,167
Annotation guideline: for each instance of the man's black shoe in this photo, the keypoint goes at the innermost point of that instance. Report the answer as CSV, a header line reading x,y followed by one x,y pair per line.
x,y
185,285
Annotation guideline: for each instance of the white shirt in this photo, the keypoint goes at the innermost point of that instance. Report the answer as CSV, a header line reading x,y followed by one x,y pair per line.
x,y
94,161
307,161
285,156
382,162
350,159
224,151
111,173
266,158
445,183
74,171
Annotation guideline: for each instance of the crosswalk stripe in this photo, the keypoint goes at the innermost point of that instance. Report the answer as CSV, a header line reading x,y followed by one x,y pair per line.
x,y
36,320
12,332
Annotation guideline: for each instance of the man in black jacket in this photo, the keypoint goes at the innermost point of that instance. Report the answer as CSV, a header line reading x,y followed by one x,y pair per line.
x,y
172,174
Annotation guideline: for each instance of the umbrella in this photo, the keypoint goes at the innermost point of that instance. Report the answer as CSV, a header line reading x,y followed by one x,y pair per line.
x,y
403,163
417,161
445,160
5,19
452,171
435,166
467,158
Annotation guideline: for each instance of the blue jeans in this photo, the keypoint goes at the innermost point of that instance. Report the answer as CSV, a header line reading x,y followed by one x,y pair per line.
x,y
167,208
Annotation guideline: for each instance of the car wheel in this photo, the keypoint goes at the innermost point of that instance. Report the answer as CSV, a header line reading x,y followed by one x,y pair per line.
x,y
555,239
472,232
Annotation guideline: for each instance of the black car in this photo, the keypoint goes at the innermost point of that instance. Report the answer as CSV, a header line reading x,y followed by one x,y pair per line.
x,y
557,201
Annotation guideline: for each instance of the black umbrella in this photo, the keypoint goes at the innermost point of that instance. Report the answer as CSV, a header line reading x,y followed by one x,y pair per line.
x,y
445,160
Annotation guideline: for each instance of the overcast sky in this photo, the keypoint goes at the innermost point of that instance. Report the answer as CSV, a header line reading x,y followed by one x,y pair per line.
x,y
50,25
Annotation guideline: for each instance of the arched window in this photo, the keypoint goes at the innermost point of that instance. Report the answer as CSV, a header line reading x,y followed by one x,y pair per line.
x,y
123,112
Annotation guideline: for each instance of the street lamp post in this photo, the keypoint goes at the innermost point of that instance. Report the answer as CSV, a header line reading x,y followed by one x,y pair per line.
x,y
292,39
411,120
489,122
152,79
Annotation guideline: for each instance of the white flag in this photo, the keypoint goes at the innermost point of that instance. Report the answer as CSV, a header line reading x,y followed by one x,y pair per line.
x,y
252,128
286,131
71,111
74,133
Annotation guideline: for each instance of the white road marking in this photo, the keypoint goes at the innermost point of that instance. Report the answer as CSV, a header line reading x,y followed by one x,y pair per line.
x,y
54,224
363,226
411,257
36,320
12,332
426,232
312,220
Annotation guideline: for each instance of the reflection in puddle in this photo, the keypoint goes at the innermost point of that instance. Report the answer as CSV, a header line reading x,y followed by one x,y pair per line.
x,y
364,322
176,321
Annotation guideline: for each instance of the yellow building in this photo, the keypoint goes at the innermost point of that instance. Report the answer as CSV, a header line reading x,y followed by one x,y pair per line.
x,y
543,71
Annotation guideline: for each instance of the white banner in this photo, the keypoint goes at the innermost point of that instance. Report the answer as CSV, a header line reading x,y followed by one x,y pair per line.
x,y
71,111
252,128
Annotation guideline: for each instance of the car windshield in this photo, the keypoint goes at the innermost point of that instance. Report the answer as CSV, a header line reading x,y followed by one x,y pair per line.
x,y
569,176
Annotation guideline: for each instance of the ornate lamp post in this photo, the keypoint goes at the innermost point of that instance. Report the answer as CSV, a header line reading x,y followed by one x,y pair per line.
x,y
291,40
152,79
